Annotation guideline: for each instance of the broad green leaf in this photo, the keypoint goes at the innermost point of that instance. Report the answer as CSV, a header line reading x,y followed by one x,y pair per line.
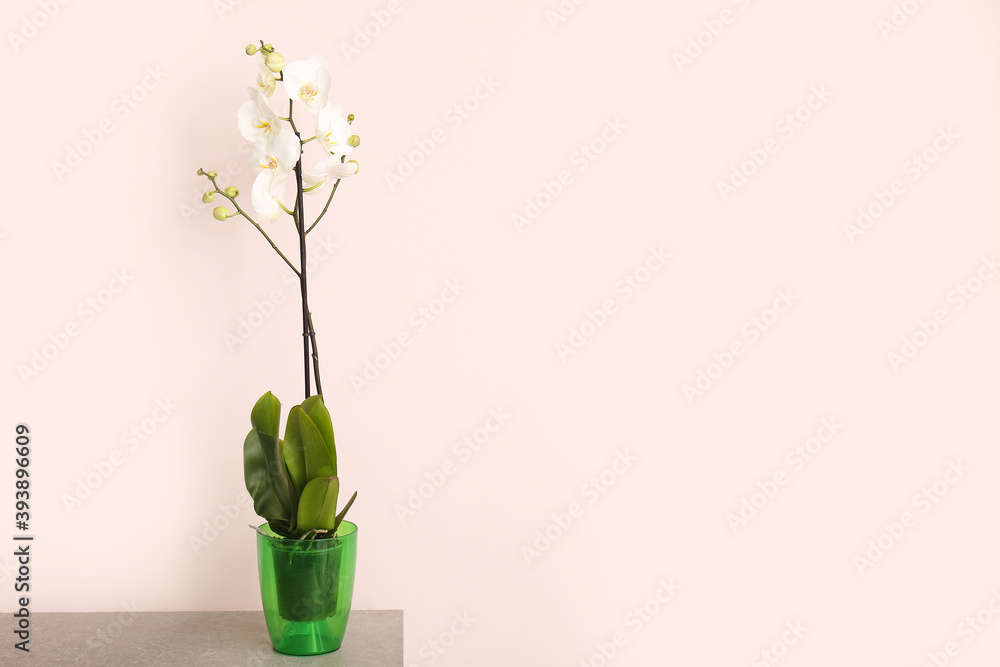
x,y
343,512
266,415
305,451
294,457
268,482
318,504
316,409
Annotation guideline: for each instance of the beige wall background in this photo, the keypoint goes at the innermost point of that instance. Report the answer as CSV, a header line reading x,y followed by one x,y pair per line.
x,y
716,383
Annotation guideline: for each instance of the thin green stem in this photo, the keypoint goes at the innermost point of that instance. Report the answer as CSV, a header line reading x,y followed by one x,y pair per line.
x,y
290,120
330,199
261,230
315,356
253,222
300,226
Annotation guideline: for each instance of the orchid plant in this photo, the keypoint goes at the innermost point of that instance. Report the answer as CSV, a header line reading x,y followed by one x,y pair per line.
x,y
293,481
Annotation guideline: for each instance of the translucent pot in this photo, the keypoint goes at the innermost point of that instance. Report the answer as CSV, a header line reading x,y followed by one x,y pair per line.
x,y
306,587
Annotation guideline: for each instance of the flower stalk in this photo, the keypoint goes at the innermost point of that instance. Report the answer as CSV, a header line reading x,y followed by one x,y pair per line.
x,y
278,152
300,226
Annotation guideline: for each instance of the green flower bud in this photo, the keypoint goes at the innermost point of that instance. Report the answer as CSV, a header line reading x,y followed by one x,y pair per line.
x,y
354,140
201,172
274,62
220,213
350,118
232,191
208,197
267,48
213,174
251,49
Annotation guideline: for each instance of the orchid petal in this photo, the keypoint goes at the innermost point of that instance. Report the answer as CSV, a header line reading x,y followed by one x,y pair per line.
x,y
333,131
257,122
265,195
308,81
266,82
328,168
279,154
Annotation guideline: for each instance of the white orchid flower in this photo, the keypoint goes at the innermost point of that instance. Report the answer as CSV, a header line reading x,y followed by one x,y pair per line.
x,y
257,122
278,154
267,194
333,131
308,81
272,162
328,168
266,82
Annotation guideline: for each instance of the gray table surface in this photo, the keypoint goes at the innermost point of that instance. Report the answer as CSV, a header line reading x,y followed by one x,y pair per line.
x,y
218,638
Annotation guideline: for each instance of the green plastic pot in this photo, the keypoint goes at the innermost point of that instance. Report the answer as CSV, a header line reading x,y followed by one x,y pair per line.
x,y
306,588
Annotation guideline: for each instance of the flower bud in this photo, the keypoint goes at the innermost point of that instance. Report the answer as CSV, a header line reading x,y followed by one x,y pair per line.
x,y
220,213
251,49
267,48
213,174
350,118
208,197
274,61
354,140
201,172
232,191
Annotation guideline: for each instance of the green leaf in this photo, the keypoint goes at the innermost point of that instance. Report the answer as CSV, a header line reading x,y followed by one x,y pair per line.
x,y
316,409
305,451
266,415
268,482
294,457
318,504
343,512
